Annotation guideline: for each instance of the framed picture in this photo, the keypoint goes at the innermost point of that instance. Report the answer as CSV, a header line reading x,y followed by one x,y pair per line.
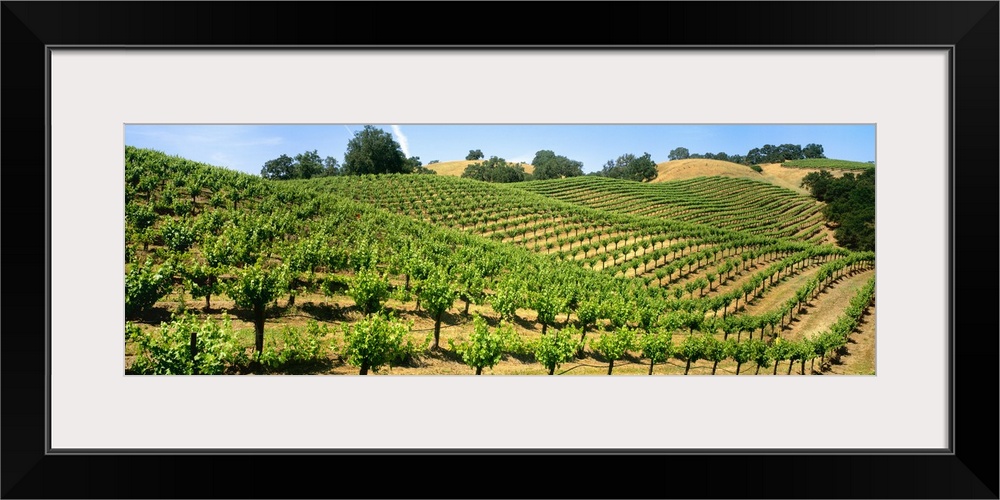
x,y
929,87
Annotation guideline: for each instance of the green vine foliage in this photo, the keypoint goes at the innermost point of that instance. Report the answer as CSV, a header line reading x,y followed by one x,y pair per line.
x,y
139,216
301,347
168,351
255,286
485,348
202,280
759,354
374,342
657,347
614,345
131,330
177,235
369,289
507,299
437,294
556,348
145,285
691,350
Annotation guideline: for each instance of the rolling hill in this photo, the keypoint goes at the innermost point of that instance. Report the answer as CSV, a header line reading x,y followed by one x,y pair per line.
x,y
287,269
456,167
695,167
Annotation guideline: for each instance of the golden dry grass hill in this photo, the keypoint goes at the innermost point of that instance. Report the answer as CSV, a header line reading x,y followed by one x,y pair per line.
x,y
775,173
456,167
791,178
697,167
690,168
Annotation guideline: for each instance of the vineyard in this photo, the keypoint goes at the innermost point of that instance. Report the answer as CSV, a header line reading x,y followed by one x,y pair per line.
x,y
751,207
426,274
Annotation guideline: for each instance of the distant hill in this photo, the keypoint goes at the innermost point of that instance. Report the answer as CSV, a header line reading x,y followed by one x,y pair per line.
x,y
756,207
828,163
695,167
456,167
778,174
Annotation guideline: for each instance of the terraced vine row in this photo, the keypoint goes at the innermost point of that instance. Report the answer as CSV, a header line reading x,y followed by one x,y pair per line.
x,y
752,207
608,242
592,238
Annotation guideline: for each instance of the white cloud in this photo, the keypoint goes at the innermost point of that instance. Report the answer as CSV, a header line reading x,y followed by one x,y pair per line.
x,y
401,139
263,141
522,158
221,159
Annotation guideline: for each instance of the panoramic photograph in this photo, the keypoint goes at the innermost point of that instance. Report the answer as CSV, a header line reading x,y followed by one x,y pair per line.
x,y
372,249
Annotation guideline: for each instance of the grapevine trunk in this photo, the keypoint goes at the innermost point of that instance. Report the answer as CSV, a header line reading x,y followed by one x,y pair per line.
x,y
258,327
437,329
194,352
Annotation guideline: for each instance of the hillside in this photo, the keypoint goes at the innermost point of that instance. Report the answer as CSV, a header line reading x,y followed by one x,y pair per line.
x,y
695,167
828,163
456,167
286,270
627,229
791,178
775,173
752,206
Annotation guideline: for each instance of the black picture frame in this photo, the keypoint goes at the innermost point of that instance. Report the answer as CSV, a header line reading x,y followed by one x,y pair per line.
x,y
970,470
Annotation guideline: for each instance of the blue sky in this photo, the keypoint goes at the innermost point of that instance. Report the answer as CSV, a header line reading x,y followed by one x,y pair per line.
x,y
247,147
